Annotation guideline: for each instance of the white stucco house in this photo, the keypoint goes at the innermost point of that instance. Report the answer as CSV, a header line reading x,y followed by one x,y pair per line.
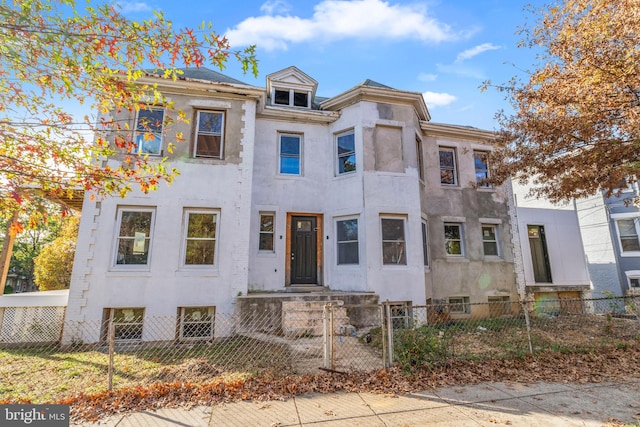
x,y
282,191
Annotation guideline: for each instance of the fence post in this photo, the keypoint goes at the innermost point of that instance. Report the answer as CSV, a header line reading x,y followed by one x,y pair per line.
x,y
528,322
112,339
387,308
327,323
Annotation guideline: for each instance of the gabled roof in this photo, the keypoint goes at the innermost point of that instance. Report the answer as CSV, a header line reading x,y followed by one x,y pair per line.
x,y
372,83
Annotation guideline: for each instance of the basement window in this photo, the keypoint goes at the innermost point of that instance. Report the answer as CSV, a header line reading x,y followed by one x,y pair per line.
x,y
196,323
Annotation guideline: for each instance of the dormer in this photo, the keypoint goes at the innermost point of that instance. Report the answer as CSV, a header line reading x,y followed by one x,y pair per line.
x,y
291,88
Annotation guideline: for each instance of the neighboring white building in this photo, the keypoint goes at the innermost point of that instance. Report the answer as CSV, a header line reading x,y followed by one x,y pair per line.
x,y
282,190
553,255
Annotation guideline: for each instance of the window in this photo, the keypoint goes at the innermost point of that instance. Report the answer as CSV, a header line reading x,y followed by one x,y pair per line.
x,y
425,244
393,243
634,282
291,98
290,148
347,232
420,159
448,173
267,221
499,306
346,152
148,131
481,162
127,324
134,236
459,305
196,322
628,234
209,131
453,239
200,239
489,240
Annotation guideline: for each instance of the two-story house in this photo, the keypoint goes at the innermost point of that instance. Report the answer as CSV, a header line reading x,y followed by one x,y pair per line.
x,y
281,190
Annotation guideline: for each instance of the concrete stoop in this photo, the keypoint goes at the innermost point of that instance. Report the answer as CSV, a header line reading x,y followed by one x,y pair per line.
x,y
296,314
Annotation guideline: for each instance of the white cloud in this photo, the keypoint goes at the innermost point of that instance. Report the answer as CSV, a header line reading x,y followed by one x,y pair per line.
x,y
435,99
476,50
338,20
462,71
426,77
134,6
275,6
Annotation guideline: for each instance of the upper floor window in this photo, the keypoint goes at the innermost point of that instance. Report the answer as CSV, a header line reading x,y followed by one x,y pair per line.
x,y
393,241
420,159
346,151
347,231
200,237
425,244
628,231
148,130
448,169
134,236
453,239
209,134
490,240
481,162
291,98
290,154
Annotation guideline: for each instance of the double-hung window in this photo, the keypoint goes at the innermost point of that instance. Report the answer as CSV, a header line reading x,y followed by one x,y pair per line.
x,y
453,239
425,244
290,147
459,305
196,322
200,238
267,222
134,226
481,162
126,322
346,152
448,169
393,241
490,240
347,232
148,130
420,159
209,134
628,232
291,98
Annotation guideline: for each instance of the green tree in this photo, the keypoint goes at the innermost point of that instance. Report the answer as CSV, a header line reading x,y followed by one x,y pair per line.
x,y
57,51
54,264
575,129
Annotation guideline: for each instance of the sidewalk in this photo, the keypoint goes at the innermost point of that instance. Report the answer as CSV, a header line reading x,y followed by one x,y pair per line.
x,y
486,404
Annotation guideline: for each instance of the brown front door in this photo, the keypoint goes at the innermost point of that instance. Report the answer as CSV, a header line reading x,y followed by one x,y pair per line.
x,y
304,245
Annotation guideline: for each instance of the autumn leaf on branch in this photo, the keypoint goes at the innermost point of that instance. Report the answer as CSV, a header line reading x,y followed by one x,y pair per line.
x,y
56,52
575,129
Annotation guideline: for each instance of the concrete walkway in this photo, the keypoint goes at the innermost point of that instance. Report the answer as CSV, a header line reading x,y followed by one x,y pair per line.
x,y
486,404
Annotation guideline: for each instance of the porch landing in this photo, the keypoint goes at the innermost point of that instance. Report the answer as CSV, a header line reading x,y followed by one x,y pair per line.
x,y
299,311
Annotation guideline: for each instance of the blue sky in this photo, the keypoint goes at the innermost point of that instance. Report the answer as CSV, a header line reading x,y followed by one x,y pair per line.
x,y
443,49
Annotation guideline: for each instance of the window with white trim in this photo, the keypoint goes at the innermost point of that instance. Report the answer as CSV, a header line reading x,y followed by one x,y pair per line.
x,y
481,163
127,324
209,134
346,152
148,130
420,159
200,237
347,241
196,323
393,241
290,154
628,232
490,240
425,244
459,305
133,243
453,239
448,168
267,224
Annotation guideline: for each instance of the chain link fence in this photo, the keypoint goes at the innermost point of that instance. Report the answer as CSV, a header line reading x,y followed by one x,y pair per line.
x,y
42,358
